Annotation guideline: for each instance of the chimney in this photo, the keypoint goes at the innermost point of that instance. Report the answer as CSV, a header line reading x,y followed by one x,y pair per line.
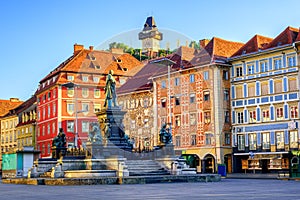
x,y
91,48
203,42
78,47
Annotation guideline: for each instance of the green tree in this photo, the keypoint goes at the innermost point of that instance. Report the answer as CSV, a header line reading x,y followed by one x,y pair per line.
x,y
194,44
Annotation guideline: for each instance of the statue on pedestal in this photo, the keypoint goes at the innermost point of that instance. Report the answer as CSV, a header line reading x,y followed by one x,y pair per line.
x,y
165,135
60,140
95,134
110,90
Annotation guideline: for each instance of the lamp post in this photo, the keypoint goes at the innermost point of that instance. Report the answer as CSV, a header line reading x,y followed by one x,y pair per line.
x,y
73,85
169,63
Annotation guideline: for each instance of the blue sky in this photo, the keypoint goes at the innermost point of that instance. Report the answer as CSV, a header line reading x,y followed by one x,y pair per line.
x,y
36,36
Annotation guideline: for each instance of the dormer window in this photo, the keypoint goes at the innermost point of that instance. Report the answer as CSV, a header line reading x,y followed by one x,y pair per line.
x,y
96,79
119,60
70,78
85,78
244,52
97,67
125,69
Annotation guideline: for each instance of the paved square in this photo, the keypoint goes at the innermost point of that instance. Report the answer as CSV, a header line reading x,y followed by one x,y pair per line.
x,y
226,189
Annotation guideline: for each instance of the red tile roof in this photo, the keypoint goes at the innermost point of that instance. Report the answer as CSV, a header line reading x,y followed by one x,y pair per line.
x,y
258,42
288,36
222,48
7,105
254,44
94,62
143,79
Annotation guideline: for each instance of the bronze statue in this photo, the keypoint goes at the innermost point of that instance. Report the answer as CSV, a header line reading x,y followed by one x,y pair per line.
x,y
165,135
110,90
60,140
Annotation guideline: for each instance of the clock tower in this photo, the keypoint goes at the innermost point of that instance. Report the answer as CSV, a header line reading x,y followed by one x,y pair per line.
x,y
150,37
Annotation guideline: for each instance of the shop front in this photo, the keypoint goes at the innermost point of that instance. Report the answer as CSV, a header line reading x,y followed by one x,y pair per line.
x,y
261,162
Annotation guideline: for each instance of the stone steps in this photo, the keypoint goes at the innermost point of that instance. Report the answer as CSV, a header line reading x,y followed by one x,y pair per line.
x,y
145,168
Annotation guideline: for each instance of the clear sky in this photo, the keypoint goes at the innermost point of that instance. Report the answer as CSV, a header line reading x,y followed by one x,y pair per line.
x,y
37,35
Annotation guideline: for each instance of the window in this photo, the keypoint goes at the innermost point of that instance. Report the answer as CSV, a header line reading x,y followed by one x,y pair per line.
x,y
193,119
208,138
70,92
97,93
277,63
292,84
177,101
132,124
264,88
206,75
163,84
291,61
252,116
293,112
241,142
278,86
163,103
227,117
251,90
177,81
225,74
192,98
206,96
263,66
70,126
252,141
193,140
266,140
85,78
177,120
293,139
265,115
280,140
48,129
44,112
49,95
227,139
239,91
206,117
240,117
96,79
85,107
54,93
54,109
146,102
279,113
250,69
70,108
70,78
53,127
49,110
48,148
239,71
192,78
226,95
85,92
177,139
85,126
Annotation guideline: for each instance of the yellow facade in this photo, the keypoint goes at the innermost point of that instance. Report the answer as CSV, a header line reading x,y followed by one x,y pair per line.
x,y
8,134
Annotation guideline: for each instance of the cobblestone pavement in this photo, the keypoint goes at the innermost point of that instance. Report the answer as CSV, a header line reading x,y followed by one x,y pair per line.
x,y
226,189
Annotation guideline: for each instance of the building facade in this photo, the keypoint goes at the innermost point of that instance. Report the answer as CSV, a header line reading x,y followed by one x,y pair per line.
x,y
70,95
8,122
265,102
194,99
26,135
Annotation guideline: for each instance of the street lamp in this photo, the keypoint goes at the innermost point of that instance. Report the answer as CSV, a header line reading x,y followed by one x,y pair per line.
x,y
73,85
169,63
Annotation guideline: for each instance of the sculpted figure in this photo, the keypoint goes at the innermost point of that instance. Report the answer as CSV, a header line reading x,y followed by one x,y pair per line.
x,y
110,90
60,140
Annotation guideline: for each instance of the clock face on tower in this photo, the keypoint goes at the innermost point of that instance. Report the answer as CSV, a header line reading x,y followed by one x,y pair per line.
x,y
147,43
